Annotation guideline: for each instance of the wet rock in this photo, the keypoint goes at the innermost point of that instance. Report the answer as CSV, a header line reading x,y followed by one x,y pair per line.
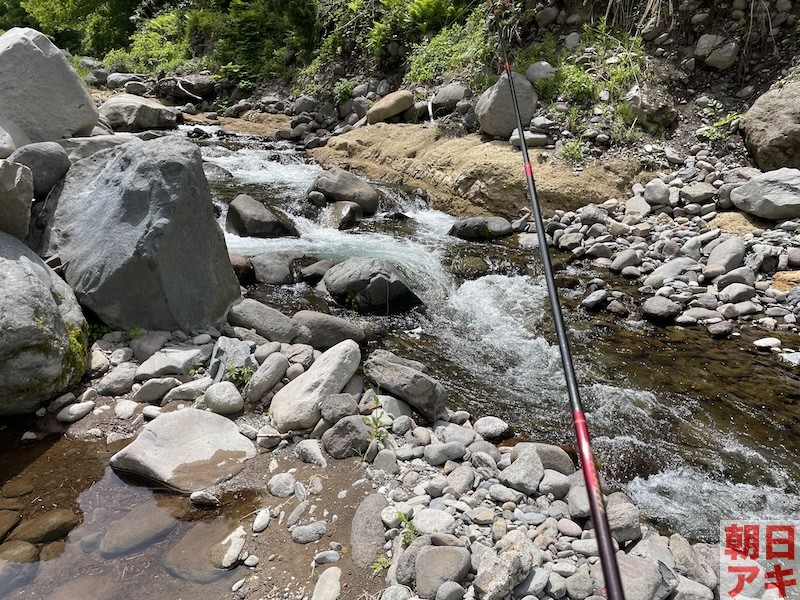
x,y
343,215
339,185
225,553
481,228
18,564
249,217
47,527
274,267
660,310
188,559
369,284
144,525
186,450
8,520
623,520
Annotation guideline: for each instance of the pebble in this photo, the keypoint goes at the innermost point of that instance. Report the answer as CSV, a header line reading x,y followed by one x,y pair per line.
x,y
305,534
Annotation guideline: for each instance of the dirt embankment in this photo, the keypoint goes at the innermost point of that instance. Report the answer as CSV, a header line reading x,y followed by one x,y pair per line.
x,y
468,176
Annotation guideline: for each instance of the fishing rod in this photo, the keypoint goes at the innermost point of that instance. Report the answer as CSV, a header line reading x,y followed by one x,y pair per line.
x,y
605,543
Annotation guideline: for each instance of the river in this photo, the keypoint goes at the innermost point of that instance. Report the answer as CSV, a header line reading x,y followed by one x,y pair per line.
x,y
693,429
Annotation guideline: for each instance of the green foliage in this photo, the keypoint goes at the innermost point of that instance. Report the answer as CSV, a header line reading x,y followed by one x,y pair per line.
x,y
159,43
97,331
238,376
456,51
132,334
430,15
719,129
380,565
343,90
573,151
576,84
13,15
410,531
84,26
376,429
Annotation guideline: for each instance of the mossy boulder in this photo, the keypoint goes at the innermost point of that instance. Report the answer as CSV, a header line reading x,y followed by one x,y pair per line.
x,y
43,334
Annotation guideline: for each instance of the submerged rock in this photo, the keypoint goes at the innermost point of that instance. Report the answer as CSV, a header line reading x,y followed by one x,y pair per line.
x,y
187,450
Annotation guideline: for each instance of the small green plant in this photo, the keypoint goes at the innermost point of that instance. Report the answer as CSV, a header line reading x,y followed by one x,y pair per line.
x,y
380,565
238,376
577,84
574,118
573,151
343,90
410,531
376,429
97,331
720,128
132,334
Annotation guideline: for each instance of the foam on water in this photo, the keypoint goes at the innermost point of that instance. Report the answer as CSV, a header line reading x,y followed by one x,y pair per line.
x,y
693,501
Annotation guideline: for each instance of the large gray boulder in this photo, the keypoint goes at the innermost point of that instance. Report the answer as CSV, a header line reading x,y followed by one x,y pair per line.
x,y
48,161
43,341
43,95
249,217
16,198
11,137
369,284
403,379
772,195
495,110
135,230
296,406
772,128
336,185
328,330
127,112
186,450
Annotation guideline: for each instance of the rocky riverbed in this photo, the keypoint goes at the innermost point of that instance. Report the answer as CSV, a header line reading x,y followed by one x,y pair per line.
x,y
252,446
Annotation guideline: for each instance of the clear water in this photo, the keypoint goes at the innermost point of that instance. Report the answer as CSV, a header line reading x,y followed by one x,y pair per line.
x,y
673,422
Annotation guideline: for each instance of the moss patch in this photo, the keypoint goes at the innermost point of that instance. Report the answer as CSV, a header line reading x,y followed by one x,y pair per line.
x,y
77,358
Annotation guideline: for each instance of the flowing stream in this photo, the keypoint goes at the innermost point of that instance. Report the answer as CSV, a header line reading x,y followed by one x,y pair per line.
x,y
693,429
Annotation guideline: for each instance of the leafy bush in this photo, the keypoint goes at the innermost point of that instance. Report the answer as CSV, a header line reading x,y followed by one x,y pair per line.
x,y
343,90
455,52
576,83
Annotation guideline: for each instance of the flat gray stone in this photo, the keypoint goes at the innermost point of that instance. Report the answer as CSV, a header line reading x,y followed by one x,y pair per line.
x,y
187,450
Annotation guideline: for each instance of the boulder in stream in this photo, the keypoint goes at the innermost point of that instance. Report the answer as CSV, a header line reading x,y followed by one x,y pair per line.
x,y
249,217
369,285
336,185
134,228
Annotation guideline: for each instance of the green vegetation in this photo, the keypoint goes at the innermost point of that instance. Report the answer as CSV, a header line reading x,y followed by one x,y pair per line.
x,y
573,151
159,43
376,429
238,376
132,334
380,564
410,531
720,127
457,51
